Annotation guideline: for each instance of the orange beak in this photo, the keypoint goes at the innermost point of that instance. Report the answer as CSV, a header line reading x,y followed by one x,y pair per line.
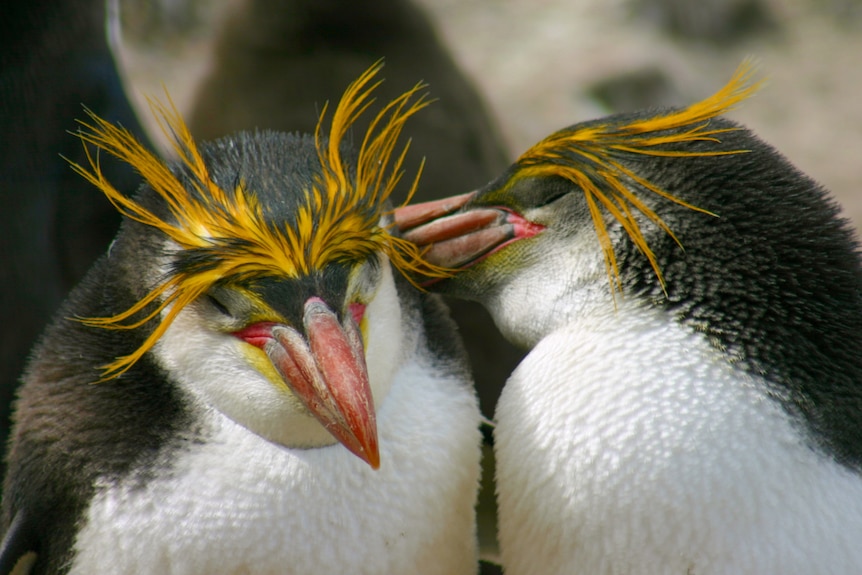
x,y
459,235
327,372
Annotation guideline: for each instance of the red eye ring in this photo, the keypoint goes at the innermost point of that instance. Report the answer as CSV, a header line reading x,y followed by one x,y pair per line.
x,y
257,334
357,310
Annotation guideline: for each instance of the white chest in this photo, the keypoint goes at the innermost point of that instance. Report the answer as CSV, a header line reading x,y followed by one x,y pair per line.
x,y
626,444
239,504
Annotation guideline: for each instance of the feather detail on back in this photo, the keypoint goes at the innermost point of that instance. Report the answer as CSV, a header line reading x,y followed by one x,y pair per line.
x,y
589,157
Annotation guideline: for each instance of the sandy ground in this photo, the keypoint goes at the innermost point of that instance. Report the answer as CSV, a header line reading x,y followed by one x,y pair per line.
x,y
536,62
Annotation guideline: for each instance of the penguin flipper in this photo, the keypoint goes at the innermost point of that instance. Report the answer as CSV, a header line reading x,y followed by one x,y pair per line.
x,y
18,549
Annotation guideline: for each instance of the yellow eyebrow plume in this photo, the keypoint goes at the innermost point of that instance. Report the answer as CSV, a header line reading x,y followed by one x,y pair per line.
x,y
339,220
586,157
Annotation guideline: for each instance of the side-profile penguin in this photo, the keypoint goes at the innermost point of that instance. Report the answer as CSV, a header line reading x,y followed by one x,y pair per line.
x,y
704,414
243,383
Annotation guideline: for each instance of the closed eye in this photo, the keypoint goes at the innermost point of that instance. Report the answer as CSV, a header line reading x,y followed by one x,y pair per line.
x,y
551,198
219,305
531,193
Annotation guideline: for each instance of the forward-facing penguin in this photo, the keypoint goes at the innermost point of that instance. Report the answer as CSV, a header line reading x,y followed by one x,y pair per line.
x,y
704,414
245,383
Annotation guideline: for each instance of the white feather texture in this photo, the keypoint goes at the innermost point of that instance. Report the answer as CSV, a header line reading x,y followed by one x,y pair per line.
x,y
240,504
627,444
240,501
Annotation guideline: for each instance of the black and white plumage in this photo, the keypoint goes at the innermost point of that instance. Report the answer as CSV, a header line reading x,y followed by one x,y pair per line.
x,y
198,451
704,415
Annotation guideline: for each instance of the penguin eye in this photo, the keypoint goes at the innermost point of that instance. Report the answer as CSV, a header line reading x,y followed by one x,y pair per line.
x,y
551,198
219,305
538,192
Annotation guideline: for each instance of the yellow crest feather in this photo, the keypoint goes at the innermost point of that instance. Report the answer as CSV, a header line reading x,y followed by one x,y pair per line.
x,y
596,168
339,220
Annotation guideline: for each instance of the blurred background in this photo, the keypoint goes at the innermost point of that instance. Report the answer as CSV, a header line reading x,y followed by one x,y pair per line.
x,y
540,65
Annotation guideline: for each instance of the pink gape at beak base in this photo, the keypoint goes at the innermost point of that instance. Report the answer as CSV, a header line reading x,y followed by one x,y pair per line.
x,y
327,373
459,240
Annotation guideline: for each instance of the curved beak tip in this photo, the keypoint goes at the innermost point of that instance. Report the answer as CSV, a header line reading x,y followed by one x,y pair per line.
x,y
460,235
358,440
372,458
327,373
